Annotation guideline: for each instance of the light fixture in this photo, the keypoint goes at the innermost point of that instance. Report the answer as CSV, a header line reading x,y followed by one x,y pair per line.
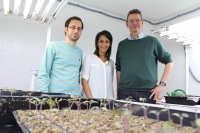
x,y
27,8
44,10
186,32
17,6
183,34
187,38
47,10
37,8
191,42
57,11
6,4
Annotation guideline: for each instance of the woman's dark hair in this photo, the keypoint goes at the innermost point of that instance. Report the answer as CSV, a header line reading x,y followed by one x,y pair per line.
x,y
73,18
109,36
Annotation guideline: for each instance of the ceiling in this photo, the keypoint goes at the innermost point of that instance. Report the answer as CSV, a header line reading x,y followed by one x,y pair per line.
x,y
153,10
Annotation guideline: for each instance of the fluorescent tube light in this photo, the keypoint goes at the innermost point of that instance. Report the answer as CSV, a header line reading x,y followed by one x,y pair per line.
x,y
6,4
17,6
47,10
190,42
37,8
186,32
187,38
27,8
181,34
57,11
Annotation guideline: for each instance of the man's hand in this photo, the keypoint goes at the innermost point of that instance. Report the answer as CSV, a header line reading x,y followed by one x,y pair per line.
x,y
156,91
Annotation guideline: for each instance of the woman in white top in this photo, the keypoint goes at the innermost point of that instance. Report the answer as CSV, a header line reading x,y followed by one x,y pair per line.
x,y
98,69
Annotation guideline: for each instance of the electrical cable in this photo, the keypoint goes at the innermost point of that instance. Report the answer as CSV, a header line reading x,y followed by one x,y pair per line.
x,y
111,16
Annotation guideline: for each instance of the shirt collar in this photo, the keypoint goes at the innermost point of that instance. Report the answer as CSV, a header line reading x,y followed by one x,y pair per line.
x,y
139,36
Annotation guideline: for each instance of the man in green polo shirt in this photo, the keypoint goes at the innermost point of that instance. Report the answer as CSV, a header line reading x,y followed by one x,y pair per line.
x,y
137,63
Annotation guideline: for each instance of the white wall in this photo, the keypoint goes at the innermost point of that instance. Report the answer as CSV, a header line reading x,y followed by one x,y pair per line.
x,y
194,62
22,43
177,78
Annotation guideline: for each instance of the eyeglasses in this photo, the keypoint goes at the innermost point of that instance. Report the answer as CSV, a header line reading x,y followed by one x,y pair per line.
x,y
132,21
73,28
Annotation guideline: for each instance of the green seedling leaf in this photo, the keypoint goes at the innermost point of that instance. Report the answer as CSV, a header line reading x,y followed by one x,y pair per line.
x,y
60,100
50,102
168,125
56,99
153,112
127,99
197,122
29,99
54,110
185,115
131,100
163,110
140,98
176,114
125,105
116,104
12,90
5,89
84,103
104,105
74,96
113,98
104,108
44,99
92,101
37,99
33,102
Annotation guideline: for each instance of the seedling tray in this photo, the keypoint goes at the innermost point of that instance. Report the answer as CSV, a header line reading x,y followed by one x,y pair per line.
x,y
27,129
29,93
164,116
182,100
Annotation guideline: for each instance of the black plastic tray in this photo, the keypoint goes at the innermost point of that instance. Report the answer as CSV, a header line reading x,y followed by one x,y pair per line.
x,y
28,93
180,100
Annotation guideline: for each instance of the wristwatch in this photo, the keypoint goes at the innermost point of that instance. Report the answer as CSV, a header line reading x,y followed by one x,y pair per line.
x,y
163,83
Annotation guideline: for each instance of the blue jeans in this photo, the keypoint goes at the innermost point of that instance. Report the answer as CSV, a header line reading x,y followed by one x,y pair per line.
x,y
123,94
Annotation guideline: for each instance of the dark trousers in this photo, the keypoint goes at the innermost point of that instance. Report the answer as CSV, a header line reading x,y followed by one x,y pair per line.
x,y
123,94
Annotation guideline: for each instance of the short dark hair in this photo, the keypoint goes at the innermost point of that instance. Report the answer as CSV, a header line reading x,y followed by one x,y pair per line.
x,y
73,18
134,11
109,36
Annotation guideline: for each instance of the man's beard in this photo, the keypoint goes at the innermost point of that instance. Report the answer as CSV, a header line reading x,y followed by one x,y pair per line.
x,y
73,39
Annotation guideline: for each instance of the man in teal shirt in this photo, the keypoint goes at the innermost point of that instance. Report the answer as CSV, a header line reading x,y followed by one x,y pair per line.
x,y
137,63
61,63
